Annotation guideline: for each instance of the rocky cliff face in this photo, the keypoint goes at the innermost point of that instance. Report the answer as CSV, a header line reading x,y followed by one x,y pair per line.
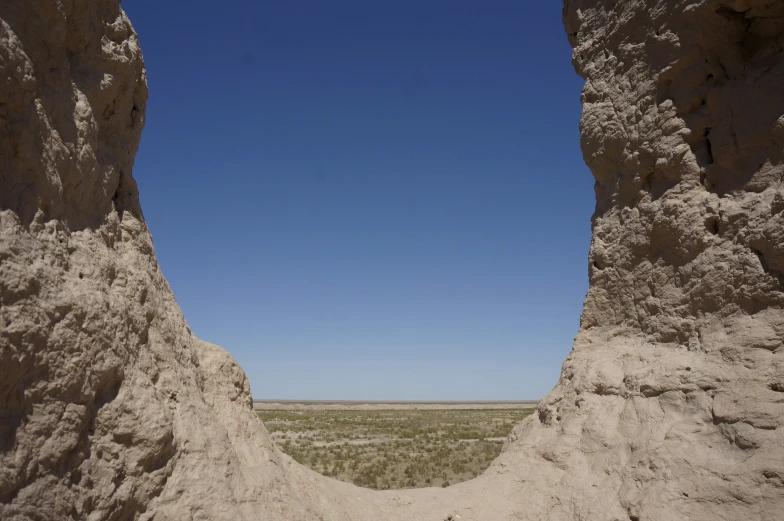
x,y
109,407
671,402
682,333
670,406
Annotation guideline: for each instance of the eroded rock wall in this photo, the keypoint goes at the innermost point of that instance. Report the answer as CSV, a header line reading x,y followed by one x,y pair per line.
x,y
673,389
109,407
683,129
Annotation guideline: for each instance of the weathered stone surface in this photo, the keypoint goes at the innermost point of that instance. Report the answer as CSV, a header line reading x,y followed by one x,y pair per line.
x,y
109,407
670,406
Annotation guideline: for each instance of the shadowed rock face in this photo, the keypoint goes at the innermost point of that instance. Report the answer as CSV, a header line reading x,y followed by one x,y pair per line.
x,y
670,406
683,128
73,100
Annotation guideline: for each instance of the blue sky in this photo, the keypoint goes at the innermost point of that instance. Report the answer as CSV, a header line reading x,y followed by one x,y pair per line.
x,y
369,200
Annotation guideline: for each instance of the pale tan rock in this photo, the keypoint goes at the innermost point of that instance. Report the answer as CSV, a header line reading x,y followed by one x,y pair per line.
x,y
670,406
109,407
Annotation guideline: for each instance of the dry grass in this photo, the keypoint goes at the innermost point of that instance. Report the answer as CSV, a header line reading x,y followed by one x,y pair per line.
x,y
385,449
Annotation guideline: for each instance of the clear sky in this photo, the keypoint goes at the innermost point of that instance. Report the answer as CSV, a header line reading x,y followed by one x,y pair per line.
x,y
369,200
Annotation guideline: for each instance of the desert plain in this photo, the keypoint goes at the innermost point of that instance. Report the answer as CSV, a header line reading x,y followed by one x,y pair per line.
x,y
393,445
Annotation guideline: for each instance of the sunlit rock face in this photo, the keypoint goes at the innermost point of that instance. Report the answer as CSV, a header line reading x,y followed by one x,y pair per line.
x,y
683,129
674,389
669,407
109,407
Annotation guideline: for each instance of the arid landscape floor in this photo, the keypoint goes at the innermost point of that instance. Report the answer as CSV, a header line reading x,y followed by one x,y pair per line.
x,y
393,445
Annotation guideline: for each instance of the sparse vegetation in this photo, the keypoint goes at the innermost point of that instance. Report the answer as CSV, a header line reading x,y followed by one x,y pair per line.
x,y
383,449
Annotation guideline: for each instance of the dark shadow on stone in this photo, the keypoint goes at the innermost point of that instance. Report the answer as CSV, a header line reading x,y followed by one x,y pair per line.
x,y
37,177
735,88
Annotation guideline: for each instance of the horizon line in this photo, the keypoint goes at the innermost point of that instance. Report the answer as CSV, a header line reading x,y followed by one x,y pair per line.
x,y
288,400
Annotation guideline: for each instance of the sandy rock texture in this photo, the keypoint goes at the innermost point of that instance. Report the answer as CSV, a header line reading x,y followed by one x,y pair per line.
x,y
670,406
110,409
